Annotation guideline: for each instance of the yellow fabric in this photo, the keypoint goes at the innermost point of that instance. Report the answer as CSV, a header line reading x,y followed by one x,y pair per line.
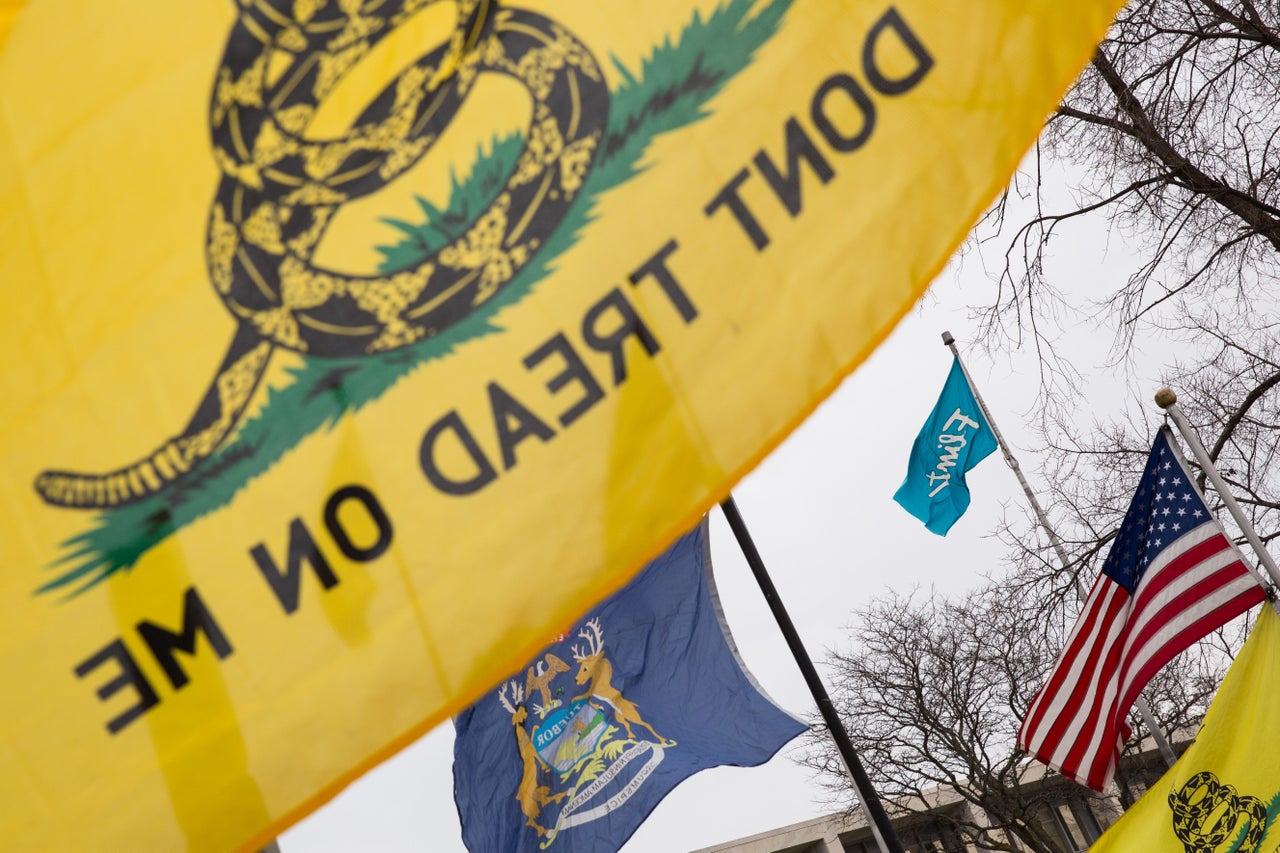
x,y
117,248
1223,794
8,11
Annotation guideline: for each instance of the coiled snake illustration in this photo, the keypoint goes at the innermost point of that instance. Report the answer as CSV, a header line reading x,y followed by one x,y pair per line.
x,y
1207,814
280,190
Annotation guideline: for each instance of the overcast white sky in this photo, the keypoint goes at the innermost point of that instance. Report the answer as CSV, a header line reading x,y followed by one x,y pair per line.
x,y
821,511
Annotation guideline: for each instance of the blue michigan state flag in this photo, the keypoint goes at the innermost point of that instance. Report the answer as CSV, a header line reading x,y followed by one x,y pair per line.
x,y
572,754
954,439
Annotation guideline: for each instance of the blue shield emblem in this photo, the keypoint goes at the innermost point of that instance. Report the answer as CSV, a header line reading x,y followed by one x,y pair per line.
x,y
568,735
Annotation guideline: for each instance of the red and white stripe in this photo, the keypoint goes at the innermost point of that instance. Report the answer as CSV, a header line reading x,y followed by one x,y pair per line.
x,y
1076,723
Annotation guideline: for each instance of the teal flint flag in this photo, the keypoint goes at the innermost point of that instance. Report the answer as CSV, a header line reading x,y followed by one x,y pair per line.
x,y
954,439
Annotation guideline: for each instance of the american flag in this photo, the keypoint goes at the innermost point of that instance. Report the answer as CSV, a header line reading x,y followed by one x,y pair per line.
x,y
1171,577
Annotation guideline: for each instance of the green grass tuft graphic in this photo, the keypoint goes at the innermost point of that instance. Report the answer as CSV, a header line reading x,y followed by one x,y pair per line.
x,y
671,90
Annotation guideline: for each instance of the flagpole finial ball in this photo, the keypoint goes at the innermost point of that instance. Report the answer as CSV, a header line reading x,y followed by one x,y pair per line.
x,y
947,340
1165,398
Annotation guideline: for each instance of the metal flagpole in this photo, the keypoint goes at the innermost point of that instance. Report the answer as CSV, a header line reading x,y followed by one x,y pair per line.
x,y
1143,709
877,819
1167,400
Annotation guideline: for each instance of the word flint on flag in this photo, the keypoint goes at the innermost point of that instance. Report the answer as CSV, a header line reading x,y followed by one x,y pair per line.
x,y
574,752
955,438
1170,578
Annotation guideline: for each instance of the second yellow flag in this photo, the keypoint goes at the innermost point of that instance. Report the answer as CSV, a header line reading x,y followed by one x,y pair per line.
x,y
1223,794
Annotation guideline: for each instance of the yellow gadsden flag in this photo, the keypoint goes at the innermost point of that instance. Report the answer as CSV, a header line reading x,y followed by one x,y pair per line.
x,y
1223,794
354,348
